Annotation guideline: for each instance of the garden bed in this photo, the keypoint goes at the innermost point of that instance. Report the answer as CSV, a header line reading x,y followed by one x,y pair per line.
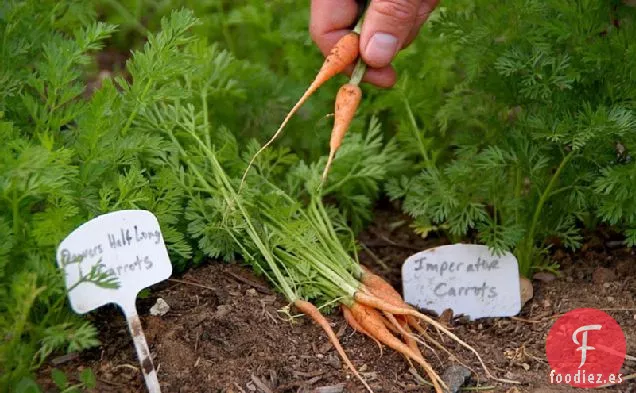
x,y
224,333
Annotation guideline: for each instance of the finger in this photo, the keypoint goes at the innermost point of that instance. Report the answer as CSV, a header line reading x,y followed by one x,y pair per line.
x,y
330,20
425,10
380,77
386,27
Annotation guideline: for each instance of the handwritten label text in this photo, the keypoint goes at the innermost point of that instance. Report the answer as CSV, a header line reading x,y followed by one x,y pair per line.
x,y
465,278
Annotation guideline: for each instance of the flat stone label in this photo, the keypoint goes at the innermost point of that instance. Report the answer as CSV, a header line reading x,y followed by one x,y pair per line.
x,y
466,278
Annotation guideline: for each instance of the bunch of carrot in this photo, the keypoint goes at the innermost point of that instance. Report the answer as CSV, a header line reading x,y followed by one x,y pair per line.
x,y
370,305
342,55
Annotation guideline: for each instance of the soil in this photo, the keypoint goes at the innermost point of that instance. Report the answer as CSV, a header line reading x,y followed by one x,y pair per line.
x,y
224,331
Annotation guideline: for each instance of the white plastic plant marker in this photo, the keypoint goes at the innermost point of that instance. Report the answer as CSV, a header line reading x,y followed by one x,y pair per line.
x,y
109,260
466,278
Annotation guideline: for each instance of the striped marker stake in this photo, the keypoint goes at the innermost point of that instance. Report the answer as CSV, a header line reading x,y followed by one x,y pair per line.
x,y
109,260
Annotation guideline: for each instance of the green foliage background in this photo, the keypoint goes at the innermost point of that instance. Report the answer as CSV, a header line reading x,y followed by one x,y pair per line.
x,y
511,124
540,126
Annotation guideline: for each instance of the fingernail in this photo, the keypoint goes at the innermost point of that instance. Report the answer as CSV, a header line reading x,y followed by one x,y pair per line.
x,y
381,49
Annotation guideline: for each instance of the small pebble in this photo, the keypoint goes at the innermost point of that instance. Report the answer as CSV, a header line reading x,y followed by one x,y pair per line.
x,y
160,308
455,376
610,299
334,361
527,291
252,292
607,285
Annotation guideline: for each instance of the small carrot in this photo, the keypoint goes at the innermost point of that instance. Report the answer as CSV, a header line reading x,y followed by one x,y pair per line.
x,y
388,324
372,301
347,102
371,320
346,313
382,289
312,311
401,326
408,334
343,54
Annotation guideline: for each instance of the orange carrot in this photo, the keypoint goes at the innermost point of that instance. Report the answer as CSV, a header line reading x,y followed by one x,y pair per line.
x,y
407,334
347,102
343,54
402,327
369,300
346,313
371,320
311,311
382,289
388,324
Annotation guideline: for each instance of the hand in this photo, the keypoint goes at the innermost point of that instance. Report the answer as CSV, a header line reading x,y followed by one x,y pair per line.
x,y
389,26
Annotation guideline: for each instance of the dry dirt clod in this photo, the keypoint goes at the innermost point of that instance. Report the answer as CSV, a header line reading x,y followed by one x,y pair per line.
x,y
624,268
446,317
251,292
333,361
602,275
544,276
510,375
222,311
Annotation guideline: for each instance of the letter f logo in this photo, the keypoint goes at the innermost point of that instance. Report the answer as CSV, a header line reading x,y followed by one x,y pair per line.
x,y
584,347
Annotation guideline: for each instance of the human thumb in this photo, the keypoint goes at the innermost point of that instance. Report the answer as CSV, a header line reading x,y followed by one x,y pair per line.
x,y
387,24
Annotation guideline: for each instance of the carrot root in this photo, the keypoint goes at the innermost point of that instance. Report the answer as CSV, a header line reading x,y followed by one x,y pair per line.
x,y
344,53
346,313
382,289
370,300
371,320
388,299
347,101
402,330
312,311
